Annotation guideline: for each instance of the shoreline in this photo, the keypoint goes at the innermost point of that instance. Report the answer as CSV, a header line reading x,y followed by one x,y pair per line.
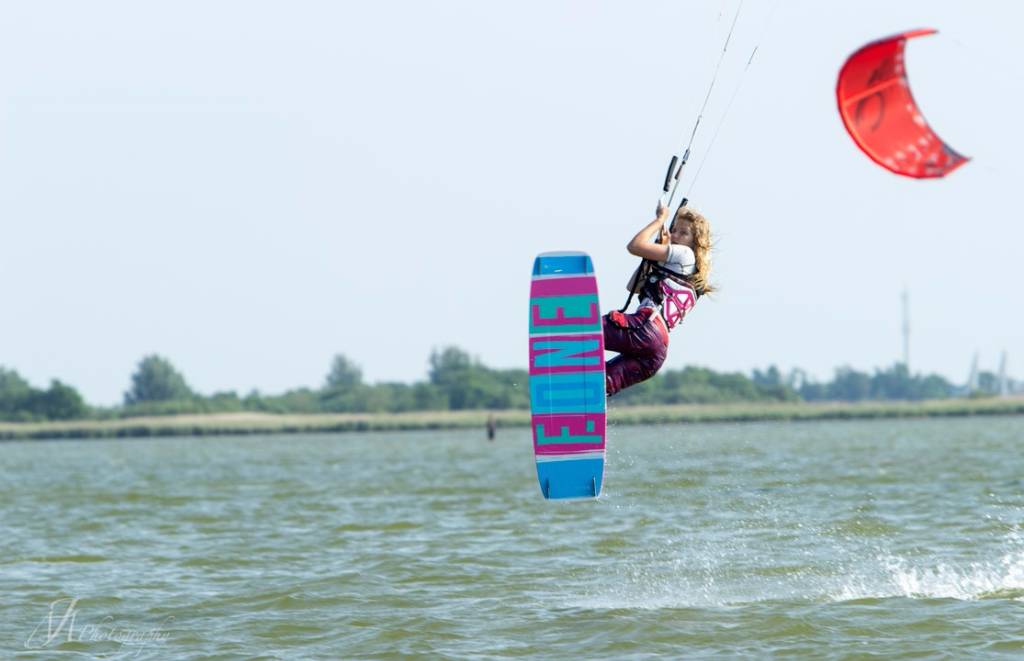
x,y
245,423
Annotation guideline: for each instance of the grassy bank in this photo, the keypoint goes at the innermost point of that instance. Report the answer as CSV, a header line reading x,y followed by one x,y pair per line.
x,y
265,423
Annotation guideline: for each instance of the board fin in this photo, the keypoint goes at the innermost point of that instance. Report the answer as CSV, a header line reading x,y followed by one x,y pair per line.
x,y
547,488
593,484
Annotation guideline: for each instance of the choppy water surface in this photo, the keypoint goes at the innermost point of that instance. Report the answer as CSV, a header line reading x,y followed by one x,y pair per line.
x,y
826,539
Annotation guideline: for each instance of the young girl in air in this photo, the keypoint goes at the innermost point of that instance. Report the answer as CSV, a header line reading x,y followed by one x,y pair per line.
x,y
669,283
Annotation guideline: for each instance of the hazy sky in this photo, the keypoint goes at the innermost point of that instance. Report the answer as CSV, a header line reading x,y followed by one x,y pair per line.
x,y
249,188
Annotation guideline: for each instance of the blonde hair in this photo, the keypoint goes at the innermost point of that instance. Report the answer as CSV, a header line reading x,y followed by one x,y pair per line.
x,y
701,247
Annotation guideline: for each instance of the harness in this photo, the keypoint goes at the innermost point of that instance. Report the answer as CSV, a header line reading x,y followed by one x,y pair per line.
x,y
673,302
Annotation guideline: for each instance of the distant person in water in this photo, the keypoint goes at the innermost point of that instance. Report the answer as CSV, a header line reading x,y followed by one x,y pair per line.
x,y
674,275
492,427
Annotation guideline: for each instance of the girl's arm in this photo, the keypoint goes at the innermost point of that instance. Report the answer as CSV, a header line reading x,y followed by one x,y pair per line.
x,y
643,244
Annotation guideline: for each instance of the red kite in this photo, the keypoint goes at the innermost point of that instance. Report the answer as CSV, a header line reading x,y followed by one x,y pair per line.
x,y
881,116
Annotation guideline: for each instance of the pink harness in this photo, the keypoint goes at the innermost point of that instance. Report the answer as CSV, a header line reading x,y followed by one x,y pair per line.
x,y
676,303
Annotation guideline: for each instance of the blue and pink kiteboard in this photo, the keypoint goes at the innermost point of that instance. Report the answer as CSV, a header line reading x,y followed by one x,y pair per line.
x,y
567,391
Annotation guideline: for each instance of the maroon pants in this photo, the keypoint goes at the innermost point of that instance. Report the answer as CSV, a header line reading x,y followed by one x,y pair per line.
x,y
641,340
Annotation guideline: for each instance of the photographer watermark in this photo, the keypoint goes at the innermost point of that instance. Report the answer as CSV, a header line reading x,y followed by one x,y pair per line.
x,y
62,624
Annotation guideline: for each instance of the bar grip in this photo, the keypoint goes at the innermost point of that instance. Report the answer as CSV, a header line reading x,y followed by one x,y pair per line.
x,y
670,174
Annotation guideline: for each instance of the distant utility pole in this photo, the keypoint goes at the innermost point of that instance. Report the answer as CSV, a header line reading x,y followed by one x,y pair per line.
x,y
972,378
906,329
1004,385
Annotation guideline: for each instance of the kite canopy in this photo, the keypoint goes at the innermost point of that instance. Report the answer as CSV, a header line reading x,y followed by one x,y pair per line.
x,y
881,116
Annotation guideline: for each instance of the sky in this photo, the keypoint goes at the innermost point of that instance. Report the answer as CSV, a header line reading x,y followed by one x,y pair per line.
x,y
250,188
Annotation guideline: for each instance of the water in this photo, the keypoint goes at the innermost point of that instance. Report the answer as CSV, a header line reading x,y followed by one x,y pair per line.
x,y
824,539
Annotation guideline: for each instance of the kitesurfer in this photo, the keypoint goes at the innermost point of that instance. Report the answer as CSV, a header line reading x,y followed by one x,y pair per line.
x,y
671,279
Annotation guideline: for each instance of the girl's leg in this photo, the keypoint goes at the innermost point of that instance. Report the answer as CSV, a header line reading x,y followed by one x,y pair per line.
x,y
616,331
641,346
621,372
627,370
623,332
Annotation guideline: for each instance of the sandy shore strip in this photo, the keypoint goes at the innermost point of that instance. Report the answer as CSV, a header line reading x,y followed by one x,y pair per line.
x,y
268,423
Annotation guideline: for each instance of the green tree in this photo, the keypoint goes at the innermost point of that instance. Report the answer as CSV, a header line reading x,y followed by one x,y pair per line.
x,y
301,400
770,377
812,391
448,365
700,385
988,383
14,392
934,386
343,374
449,373
224,402
427,397
254,401
893,383
156,380
849,385
59,402
344,391
466,384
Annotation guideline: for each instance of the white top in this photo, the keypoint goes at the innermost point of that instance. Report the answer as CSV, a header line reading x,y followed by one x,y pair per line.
x,y
681,260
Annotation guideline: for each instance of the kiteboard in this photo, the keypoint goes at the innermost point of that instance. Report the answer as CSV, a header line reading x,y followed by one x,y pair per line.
x,y
567,383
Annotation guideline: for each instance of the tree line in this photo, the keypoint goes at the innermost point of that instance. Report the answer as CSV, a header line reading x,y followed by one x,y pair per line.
x,y
457,381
